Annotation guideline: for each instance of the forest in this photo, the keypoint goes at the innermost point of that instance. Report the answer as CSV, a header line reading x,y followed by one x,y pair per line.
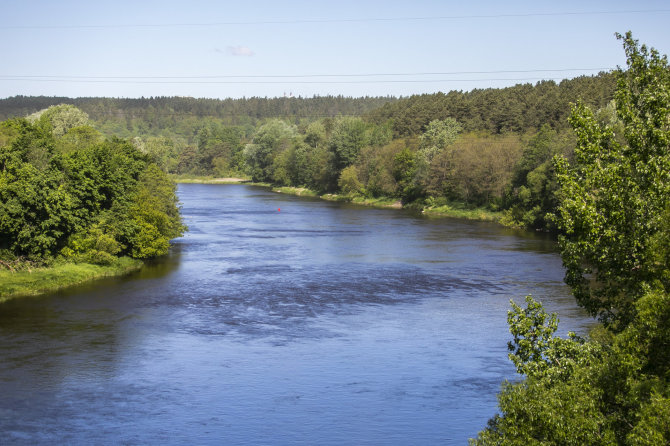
x,y
489,148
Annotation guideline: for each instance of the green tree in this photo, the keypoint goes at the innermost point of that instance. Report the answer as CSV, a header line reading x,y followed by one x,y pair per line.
x,y
271,138
614,388
532,193
404,172
58,119
612,198
349,182
89,204
347,139
438,136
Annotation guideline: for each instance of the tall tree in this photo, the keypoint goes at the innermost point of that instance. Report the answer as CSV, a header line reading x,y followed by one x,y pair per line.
x,y
612,199
615,210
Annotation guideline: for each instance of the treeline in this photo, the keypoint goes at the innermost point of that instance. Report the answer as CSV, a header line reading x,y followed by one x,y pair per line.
x,y
519,109
68,193
182,116
486,148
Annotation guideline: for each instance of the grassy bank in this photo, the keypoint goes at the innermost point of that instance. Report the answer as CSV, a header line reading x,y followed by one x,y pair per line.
x,y
452,210
61,275
208,179
382,202
456,210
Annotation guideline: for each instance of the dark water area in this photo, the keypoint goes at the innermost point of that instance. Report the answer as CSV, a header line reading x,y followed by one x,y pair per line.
x,y
281,320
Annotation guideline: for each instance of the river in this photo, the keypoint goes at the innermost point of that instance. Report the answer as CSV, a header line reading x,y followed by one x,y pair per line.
x,y
281,320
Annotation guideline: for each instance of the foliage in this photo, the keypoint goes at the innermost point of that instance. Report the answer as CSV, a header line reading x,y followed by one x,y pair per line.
x,y
578,392
613,206
521,108
613,197
348,138
438,136
91,203
348,182
200,137
271,138
59,119
531,194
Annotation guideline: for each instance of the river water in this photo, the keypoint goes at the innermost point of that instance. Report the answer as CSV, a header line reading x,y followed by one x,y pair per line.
x,y
281,320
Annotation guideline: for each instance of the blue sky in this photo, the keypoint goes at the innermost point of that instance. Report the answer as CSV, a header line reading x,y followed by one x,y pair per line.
x,y
219,49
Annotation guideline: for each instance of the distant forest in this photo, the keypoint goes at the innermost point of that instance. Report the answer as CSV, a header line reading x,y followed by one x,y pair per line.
x,y
487,148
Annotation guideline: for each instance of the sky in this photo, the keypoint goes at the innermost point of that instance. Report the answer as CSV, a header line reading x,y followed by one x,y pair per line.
x,y
221,49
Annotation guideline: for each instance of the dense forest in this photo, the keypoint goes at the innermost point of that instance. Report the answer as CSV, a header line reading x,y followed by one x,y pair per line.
x,y
181,116
487,148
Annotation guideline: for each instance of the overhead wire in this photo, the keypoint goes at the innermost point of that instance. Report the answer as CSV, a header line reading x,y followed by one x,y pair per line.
x,y
335,20
341,78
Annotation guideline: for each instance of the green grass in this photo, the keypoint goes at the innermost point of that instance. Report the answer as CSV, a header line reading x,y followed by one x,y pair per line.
x,y
459,211
298,191
61,275
382,202
208,179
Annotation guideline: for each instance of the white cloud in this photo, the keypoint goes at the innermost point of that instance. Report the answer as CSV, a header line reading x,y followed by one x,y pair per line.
x,y
240,51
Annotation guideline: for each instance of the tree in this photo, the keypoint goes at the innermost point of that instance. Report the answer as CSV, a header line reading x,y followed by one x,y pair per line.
x,y
346,141
612,199
438,136
58,119
404,171
531,196
271,138
615,211
89,204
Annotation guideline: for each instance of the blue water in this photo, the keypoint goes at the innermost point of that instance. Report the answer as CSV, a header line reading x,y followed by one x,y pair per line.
x,y
281,320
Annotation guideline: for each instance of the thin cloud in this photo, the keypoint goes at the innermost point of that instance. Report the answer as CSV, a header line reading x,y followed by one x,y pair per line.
x,y
240,51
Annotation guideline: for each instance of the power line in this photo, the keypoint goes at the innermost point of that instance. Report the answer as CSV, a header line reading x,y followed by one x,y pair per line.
x,y
289,76
379,81
351,20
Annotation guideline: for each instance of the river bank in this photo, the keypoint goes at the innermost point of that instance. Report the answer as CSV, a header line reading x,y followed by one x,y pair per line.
x,y
36,281
451,210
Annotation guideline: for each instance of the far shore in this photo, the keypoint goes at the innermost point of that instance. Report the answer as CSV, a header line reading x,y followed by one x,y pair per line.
x,y
455,210
208,180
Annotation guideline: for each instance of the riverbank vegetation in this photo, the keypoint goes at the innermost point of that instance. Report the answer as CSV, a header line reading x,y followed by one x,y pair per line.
x,y
69,195
27,281
613,211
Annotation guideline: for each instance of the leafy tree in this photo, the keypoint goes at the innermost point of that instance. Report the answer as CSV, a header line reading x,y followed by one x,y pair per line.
x,y
349,182
315,134
612,199
532,192
614,388
271,138
346,141
59,119
78,138
438,136
404,172
90,204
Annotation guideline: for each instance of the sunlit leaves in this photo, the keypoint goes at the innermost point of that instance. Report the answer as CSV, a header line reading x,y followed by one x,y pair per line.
x,y
612,198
